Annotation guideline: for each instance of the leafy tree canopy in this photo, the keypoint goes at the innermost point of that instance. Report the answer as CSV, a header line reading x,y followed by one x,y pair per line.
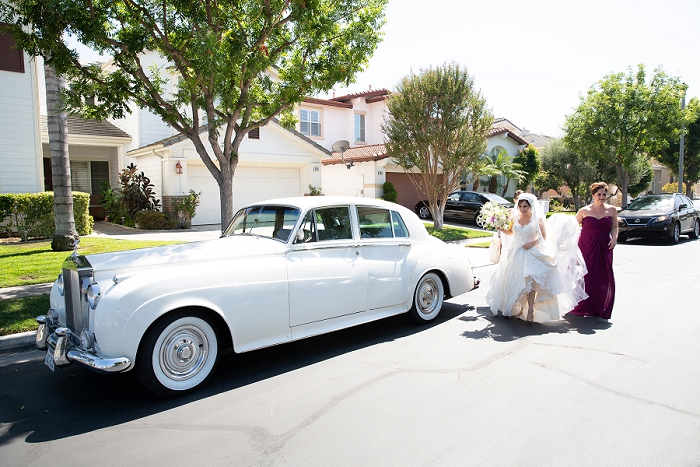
x,y
691,154
436,127
624,117
562,166
225,67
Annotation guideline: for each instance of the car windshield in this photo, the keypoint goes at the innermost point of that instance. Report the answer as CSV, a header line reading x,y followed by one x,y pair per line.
x,y
495,198
264,221
651,202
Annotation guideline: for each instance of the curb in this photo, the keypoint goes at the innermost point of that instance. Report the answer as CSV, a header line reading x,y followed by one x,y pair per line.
x,y
15,341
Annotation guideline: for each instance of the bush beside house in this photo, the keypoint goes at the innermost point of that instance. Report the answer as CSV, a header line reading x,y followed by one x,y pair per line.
x,y
33,213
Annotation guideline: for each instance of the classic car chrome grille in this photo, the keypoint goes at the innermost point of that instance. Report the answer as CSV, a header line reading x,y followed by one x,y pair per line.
x,y
76,271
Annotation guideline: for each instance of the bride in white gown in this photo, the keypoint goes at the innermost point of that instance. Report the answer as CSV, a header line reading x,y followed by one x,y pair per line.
x,y
540,274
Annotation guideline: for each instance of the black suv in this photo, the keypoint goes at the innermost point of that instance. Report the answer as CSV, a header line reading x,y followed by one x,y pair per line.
x,y
463,205
666,216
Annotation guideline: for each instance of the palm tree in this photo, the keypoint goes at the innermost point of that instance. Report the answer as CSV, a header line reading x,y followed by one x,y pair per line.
x,y
483,166
65,234
502,164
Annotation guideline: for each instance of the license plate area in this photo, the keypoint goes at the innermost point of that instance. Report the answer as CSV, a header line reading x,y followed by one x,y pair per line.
x,y
48,360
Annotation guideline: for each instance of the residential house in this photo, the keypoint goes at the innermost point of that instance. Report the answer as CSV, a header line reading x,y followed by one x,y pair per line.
x,y
96,149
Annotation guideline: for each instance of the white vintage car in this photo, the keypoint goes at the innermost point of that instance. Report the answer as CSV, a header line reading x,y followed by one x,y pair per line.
x,y
283,270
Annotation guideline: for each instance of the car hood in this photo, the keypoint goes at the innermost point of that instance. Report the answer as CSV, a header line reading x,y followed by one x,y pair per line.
x,y
644,213
238,246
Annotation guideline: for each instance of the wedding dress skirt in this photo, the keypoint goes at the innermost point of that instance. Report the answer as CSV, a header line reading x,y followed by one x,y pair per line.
x,y
554,269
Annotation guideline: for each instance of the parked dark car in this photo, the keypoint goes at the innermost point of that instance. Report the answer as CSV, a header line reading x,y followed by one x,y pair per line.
x,y
666,216
463,205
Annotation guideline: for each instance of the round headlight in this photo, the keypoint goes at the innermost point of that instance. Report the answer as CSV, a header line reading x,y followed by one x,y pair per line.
x,y
93,294
59,284
86,339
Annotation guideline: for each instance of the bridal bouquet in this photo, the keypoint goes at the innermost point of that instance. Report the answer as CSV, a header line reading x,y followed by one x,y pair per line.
x,y
493,216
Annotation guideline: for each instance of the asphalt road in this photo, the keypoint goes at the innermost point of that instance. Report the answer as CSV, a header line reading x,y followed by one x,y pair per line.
x,y
469,389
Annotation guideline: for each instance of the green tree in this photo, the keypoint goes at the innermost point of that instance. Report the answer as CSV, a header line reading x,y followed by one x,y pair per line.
x,y
623,117
529,161
436,127
230,66
563,166
691,154
57,125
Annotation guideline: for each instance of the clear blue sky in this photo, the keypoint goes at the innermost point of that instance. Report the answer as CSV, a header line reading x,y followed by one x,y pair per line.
x,y
533,59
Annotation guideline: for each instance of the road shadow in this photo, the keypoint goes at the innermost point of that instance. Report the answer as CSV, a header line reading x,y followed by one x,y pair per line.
x,y
504,329
639,241
41,406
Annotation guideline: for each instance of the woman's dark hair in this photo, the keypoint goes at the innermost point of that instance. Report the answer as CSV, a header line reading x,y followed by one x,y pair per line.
x,y
597,186
526,200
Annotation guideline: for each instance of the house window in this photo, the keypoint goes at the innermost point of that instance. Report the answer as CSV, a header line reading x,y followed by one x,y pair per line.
x,y
11,59
87,176
254,133
310,122
360,128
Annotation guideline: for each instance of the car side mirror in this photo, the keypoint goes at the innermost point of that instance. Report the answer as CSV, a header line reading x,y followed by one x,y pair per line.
x,y
299,236
682,206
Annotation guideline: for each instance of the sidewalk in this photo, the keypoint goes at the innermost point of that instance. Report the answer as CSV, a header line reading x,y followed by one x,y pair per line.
x,y
196,233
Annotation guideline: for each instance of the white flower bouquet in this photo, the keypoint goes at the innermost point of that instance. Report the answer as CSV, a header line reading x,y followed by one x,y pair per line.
x,y
493,216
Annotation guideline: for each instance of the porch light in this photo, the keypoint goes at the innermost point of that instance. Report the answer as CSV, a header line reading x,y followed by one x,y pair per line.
x,y
178,168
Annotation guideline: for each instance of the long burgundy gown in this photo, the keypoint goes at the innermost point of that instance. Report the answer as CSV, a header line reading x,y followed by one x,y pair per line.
x,y
600,281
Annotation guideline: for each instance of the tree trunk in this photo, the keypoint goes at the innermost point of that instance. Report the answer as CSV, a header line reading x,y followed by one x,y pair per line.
x,y
493,184
65,234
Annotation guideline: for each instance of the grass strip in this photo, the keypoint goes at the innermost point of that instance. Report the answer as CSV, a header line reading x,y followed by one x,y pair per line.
x,y
26,263
19,314
448,234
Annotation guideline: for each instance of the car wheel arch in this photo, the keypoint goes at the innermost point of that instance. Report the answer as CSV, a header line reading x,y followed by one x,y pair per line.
x,y
218,321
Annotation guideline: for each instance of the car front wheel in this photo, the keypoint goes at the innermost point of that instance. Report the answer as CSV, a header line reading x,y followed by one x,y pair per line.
x,y
695,233
676,233
427,298
424,212
177,354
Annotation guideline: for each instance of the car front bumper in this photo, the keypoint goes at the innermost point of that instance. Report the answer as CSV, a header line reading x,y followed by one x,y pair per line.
x,y
657,230
64,352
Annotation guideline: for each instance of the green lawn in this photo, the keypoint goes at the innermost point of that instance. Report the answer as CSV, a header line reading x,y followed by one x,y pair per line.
x,y
26,263
19,314
448,234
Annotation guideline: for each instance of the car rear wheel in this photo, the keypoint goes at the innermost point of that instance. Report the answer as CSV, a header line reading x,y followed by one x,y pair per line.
x,y
177,354
676,233
424,212
427,298
695,233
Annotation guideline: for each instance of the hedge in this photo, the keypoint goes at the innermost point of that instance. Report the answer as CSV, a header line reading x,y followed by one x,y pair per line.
x,y
33,212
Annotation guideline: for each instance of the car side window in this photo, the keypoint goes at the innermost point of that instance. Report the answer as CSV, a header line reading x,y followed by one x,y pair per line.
x,y
453,197
398,224
333,223
469,197
374,222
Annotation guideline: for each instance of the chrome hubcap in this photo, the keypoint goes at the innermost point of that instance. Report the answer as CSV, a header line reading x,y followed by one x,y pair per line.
x,y
427,299
184,352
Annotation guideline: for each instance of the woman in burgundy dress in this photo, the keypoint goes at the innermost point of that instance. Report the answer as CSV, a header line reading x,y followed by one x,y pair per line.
x,y
597,240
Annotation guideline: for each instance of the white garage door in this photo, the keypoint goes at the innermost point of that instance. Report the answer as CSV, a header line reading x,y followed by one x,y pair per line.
x,y
209,210
250,184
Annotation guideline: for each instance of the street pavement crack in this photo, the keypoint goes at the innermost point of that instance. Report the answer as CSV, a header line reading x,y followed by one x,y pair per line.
x,y
618,393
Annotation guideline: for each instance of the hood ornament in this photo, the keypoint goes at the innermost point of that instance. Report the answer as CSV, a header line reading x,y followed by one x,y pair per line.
x,y
75,245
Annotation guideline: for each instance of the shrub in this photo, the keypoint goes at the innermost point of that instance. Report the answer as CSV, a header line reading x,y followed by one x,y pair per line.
x,y
136,192
390,193
33,212
155,220
186,208
671,188
314,191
